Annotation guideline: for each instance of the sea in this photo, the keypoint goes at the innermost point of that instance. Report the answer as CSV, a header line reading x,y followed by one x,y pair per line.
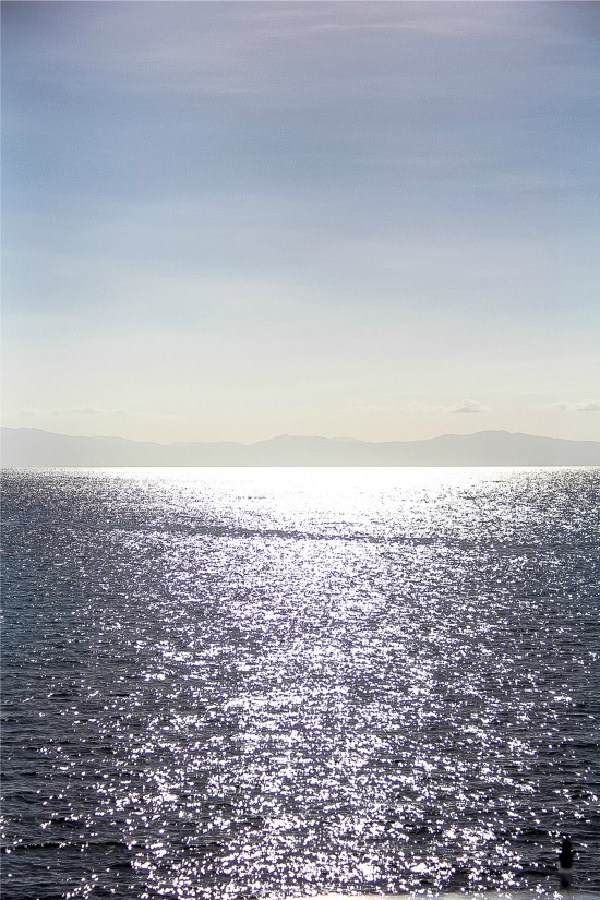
x,y
273,683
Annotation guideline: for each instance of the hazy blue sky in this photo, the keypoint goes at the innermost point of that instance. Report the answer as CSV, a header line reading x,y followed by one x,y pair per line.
x,y
231,220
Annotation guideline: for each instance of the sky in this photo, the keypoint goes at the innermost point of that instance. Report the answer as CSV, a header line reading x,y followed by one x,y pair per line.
x,y
232,220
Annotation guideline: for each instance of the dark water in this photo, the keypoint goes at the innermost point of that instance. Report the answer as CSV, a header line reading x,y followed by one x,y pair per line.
x,y
236,683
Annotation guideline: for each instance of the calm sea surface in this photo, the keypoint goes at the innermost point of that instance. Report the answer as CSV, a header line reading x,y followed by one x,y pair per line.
x,y
263,682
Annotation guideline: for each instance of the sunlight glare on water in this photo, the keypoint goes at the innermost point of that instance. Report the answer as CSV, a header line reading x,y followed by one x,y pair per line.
x,y
236,682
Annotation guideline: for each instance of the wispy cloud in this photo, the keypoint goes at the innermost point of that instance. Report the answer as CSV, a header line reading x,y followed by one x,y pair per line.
x,y
588,405
237,49
418,408
466,406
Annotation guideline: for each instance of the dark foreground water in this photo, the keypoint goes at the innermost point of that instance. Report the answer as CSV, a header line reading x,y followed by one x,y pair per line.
x,y
236,683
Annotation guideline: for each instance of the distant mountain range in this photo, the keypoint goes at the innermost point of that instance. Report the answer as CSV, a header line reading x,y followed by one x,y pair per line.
x,y
25,447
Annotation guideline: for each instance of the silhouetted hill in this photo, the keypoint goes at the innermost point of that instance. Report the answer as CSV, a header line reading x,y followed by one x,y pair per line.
x,y
24,447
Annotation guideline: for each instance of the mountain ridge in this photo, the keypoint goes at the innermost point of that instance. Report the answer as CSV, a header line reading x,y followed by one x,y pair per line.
x,y
33,447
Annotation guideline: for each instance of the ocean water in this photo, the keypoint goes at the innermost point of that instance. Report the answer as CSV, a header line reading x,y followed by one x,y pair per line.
x,y
235,683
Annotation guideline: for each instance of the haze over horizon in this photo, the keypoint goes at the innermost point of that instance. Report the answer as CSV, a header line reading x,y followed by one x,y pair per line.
x,y
225,221
26,447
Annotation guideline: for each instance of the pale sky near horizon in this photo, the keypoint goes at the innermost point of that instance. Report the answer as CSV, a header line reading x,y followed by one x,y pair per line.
x,y
229,220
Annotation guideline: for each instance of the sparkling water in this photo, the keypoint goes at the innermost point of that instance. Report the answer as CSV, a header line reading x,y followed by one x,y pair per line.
x,y
234,683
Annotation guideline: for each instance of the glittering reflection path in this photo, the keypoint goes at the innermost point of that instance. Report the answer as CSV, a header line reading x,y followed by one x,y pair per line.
x,y
571,894
284,690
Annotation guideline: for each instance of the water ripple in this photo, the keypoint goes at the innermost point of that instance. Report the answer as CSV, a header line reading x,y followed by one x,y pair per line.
x,y
226,683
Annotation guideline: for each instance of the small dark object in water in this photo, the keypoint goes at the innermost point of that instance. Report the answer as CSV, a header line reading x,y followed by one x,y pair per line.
x,y
565,863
